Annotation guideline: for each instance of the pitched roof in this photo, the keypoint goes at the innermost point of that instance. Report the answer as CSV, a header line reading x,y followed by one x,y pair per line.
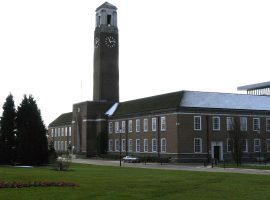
x,y
107,5
63,119
225,101
154,103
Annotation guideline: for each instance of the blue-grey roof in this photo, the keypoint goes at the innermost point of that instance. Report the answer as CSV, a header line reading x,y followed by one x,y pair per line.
x,y
225,101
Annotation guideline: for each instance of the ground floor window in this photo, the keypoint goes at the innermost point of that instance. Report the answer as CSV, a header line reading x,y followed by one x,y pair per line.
x,y
130,145
145,145
138,145
244,145
123,145
229,145
110,145
197,145
257,145
163,145
268,145
154,145
117,145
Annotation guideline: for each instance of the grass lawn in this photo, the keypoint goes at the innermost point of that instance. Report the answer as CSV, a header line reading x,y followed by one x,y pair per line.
x,y
102,182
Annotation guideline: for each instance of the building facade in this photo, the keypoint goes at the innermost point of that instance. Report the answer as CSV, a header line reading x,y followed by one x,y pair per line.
x,y
185,126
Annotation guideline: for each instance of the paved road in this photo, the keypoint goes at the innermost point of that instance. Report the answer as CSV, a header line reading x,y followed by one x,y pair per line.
x,y
171,166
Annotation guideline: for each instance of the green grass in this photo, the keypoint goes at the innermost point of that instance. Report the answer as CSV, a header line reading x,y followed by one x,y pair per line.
x,y
102,182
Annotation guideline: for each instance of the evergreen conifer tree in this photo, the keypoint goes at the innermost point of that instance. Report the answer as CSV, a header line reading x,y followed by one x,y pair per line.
x,y
7,137
32,140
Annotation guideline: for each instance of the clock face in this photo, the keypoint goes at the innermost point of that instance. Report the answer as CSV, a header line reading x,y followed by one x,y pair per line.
x,y
110,41
97,42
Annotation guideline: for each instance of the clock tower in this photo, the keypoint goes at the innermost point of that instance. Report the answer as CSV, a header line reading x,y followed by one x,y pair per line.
x,y
106,53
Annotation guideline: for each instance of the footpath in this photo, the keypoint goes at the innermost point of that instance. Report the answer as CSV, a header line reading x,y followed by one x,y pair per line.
x,y
165,166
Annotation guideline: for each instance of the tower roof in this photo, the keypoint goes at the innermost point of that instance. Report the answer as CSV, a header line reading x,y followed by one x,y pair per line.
x,y
107,5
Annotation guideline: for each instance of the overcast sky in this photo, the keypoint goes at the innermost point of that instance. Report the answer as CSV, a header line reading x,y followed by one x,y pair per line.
x,y
46,48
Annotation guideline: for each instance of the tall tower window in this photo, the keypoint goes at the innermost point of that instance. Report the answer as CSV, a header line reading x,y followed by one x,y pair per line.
x,y
109,18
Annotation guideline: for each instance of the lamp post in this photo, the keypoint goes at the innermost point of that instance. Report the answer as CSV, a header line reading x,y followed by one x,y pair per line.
x,y
120,147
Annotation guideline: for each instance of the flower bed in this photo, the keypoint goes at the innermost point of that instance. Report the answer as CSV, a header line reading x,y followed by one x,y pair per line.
x,y
37,184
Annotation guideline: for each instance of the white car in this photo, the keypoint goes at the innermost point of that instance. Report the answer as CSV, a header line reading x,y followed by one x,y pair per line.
x,y
130,159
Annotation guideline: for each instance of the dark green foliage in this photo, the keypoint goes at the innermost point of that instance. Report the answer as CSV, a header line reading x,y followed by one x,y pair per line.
x,y
32,140
7,137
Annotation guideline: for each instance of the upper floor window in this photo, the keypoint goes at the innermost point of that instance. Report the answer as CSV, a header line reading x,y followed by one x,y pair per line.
x,y
163,123
154,124
197,123
256,124
110,127
129,126
145,125
123,128
267,124
52,133
66,130
116,124
69,130
216,123
230,123
243,123
138,127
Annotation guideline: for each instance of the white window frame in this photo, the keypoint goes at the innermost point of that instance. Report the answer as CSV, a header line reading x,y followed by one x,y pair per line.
x,y
145,145
163,123
197,124
145,125
116,127
195,145
130,126
59,132
110,127
116,145
268,145
130,145
138,145
123,145
154,124
229,123
267,124
216,123
138,125
154,145
69,132
257,145
52,132
62,130
65,145
110,145
229,145
256,124
243,123
123,127
246,145
163,145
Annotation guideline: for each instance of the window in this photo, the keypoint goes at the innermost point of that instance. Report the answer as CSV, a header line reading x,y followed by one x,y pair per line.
x,y
59,146
55,132
55,145
110,144
66,130
145,145
62,145
109,20
145,125
244,146
123,128
257,145
154,145
123,145
256,124
116,145
69,131
230,123
52,132
59,132
163,124
163,145
138,127
110,127
216,123
268,124
229,145
197,145
268,145
138,145
130,126
154,124
197,123
63,132
65,145
243,123
130,147
116,124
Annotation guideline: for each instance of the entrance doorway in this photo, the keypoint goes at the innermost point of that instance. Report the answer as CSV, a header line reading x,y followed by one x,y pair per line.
x,y
217,150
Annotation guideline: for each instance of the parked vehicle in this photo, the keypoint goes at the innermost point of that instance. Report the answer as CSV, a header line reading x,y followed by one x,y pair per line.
x,y
130,159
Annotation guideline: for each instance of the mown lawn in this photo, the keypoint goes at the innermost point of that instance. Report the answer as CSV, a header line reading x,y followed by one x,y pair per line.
x,y
101,182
